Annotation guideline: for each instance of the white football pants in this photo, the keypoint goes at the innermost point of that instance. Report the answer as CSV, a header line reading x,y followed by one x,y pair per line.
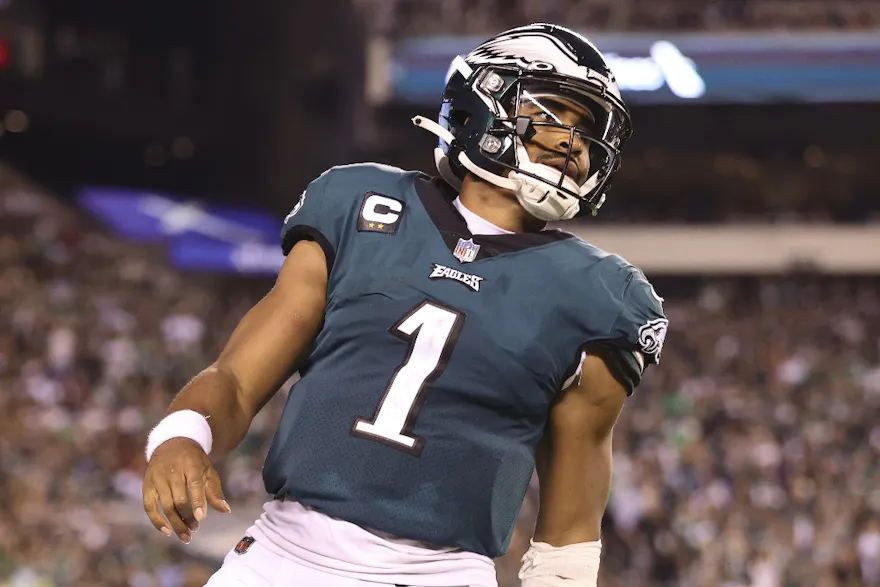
x,y
260,567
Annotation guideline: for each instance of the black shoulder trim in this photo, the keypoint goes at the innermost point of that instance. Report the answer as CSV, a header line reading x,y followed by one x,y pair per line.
x,y
302,232
621,362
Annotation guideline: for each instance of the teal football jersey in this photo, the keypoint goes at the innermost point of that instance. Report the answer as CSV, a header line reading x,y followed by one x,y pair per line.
x,y
422,403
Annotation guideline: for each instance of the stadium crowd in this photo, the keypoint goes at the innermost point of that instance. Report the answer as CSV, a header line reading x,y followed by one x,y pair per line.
x,y
748,458
431,17
813,186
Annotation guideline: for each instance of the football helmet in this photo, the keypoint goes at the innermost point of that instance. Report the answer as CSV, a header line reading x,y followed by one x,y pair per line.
x,y
514,85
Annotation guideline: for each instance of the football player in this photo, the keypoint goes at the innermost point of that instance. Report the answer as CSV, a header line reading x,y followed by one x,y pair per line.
x,y
448,344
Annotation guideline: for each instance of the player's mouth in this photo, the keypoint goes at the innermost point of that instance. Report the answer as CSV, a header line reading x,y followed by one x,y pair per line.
x,y
571,170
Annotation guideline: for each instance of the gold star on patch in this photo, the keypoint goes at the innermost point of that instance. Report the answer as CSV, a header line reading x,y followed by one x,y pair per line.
x,y
372,225
381,226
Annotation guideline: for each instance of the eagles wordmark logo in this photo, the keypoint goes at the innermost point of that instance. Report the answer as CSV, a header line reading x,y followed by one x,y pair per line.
x,y
468,279
652,335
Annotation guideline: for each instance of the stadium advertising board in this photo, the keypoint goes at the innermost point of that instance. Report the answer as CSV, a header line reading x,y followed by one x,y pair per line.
x,y
220,239
670,69
197,236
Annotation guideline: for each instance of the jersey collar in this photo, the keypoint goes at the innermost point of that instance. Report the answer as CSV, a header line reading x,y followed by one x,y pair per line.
x,y
476,223
437,198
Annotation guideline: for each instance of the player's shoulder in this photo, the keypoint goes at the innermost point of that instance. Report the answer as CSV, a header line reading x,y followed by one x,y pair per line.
x,y
641,319
623,312
617,268
326,210
366,167
622,285
598,263
629,280
360,177
337,189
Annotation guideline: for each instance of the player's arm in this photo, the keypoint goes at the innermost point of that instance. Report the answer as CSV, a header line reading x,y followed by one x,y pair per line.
x,y
574,458
263,351
574,471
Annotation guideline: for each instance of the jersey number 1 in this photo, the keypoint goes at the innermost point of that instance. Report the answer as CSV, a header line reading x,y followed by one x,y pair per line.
x,y
432,331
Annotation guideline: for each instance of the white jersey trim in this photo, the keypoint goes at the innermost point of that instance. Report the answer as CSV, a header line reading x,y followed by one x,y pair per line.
x,y
477,224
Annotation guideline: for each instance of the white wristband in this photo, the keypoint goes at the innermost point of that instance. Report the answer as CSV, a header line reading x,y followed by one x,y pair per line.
x,y
576,564
182,424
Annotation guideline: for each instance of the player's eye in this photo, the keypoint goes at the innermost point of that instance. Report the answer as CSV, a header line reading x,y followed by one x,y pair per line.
x,y
544,116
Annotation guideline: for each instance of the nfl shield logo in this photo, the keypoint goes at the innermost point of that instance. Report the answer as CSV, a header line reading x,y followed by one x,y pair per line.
x,y
466,251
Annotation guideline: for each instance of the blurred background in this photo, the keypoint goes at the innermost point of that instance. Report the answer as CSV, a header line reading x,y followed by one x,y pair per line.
x,y
148,152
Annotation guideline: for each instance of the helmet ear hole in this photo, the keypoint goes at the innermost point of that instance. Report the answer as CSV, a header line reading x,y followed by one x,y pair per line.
x,y
459,118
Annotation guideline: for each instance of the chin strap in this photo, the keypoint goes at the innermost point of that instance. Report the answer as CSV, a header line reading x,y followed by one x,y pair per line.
x,y
446,136
434,128
541,199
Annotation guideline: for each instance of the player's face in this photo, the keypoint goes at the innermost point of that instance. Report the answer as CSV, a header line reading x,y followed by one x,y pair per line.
x,y
549,144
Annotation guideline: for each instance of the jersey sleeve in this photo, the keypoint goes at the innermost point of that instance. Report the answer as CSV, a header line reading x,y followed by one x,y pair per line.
x,y
315,218
637,334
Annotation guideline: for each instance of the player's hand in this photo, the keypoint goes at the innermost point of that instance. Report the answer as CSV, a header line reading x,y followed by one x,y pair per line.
x,y
179,482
